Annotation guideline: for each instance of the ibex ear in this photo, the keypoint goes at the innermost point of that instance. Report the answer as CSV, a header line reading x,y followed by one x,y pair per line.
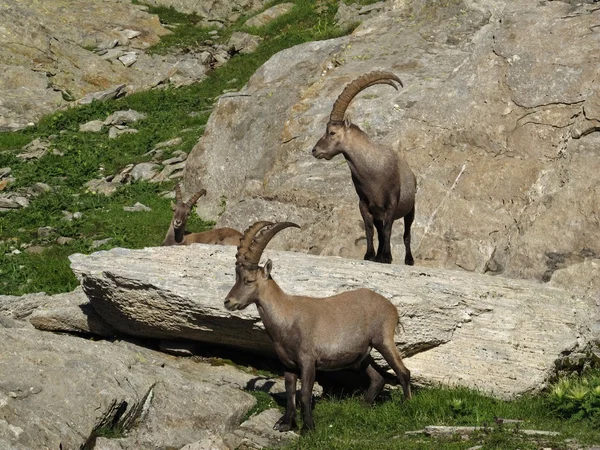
x,y
267,268
173,206
347,123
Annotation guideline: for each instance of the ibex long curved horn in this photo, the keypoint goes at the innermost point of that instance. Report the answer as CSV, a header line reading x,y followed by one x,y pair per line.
x,y
255,239
194,198
352,89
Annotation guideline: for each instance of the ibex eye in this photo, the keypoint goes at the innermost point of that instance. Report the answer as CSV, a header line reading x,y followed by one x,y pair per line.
x,y
332,133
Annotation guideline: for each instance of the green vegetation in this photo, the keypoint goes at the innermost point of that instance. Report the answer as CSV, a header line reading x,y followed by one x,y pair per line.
x,y
344,423
77,157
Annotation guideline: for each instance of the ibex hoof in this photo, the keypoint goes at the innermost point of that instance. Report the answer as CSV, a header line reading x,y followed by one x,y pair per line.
x,y
369,256
283,425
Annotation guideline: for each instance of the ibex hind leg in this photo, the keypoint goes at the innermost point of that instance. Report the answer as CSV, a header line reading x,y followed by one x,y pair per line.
x,y
393,358
376,381
408,220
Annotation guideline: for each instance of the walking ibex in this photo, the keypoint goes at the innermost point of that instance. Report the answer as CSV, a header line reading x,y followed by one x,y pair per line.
x,y
384,182
312,334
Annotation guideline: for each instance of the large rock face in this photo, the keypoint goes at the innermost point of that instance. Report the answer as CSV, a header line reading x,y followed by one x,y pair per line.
x,y
503,336
498,120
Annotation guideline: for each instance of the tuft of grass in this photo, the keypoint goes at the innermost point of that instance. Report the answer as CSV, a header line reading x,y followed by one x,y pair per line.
x,y
264,401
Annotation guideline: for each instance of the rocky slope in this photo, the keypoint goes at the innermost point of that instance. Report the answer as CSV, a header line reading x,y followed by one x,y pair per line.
x,y
498,118
82,50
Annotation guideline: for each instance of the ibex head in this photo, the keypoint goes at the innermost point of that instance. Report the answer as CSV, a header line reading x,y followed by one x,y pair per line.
x,y
181,209
249,276
335,138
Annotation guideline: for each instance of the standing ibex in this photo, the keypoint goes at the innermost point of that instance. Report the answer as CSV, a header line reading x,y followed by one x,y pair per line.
x,y
384,182
314,333
176,235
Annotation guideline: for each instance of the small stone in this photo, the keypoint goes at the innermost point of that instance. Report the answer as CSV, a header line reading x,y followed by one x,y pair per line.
x,y
243,42
4,172
107,94
175,159
100,242
130,34
35,249
137,207
22,201
35,149
7,203
124,117
168,172
93,126
77,215
144,171
40,188
115,132
170,143
62,240
128,58
45,231
113,53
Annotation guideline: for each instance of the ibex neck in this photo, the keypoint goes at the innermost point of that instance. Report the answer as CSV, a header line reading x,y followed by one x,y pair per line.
x,y
273,306
175,236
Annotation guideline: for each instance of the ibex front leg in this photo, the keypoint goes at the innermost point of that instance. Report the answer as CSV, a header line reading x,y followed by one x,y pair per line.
x,y
384,233
288,420
307,378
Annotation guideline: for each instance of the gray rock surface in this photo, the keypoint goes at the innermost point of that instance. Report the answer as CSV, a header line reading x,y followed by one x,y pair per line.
x,y
269,15
69,312
240,42
213,11
502,336
60,391
498,122
257,432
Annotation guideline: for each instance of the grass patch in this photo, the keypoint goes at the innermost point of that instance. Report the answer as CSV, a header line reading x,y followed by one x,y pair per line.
x,y
344,423
76,157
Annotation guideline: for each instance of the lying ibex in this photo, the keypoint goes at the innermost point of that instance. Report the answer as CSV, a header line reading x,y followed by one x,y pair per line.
x,y
385,185
177,234
314,333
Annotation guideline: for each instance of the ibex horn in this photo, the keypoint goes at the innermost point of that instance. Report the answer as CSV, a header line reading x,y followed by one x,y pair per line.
x,y
353,88
194,198
253,244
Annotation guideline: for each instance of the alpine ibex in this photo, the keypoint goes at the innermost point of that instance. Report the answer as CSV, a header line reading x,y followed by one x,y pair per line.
x,y
176,235
385,184
314,333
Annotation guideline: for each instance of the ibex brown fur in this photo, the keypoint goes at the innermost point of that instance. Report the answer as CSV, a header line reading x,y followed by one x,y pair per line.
x,y
384,182
176,235
314,333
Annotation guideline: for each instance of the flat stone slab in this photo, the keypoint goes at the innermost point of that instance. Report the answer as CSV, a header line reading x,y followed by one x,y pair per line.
x,y
503,336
